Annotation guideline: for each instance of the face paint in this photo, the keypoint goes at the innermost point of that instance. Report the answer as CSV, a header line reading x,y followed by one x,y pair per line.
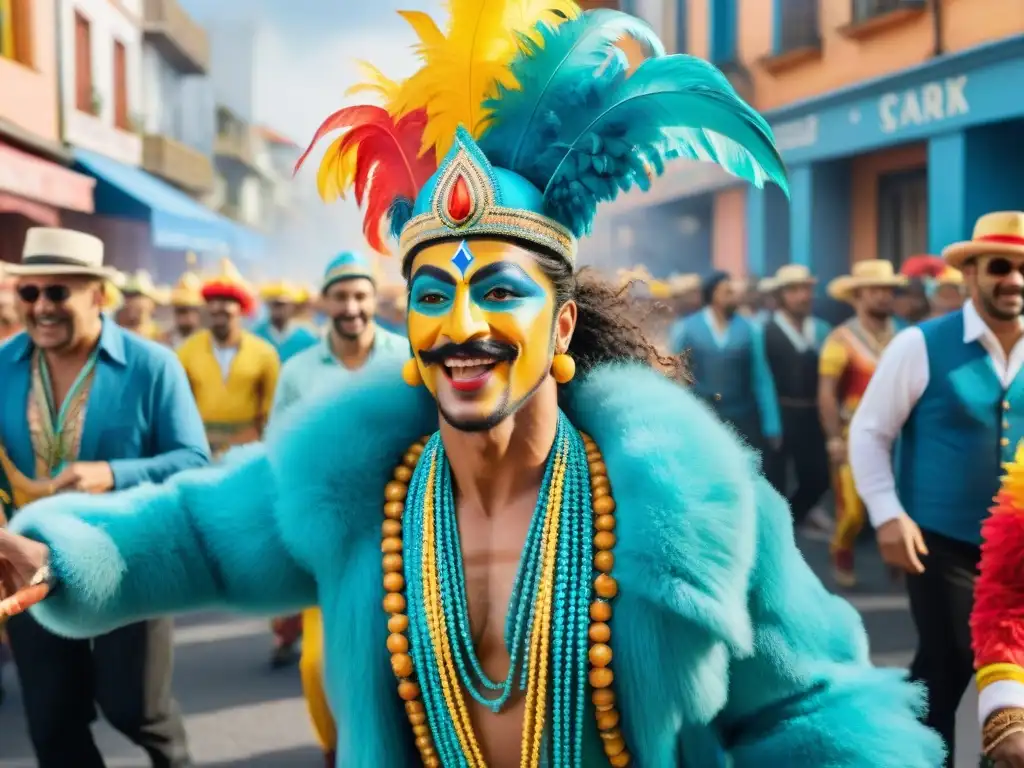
x,y
481,324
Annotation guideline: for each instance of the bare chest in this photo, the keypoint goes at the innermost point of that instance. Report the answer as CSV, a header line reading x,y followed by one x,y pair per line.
x,y
491,549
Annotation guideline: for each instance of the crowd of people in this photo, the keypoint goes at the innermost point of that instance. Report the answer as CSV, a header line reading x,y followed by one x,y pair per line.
x,y
523,533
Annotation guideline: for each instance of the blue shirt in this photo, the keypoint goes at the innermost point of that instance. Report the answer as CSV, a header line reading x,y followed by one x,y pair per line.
x,y
141,417
308,370
288,343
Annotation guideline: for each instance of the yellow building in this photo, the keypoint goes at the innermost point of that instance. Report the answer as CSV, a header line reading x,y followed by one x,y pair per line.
x,y
897,119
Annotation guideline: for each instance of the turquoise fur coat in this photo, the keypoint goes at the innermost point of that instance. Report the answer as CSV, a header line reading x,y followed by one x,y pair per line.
x,y
723,637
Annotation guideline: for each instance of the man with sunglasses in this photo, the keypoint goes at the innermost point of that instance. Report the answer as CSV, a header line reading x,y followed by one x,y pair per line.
x,y
951,390
88,407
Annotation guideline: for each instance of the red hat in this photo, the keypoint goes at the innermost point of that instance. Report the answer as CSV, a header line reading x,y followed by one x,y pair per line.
x,y
231,286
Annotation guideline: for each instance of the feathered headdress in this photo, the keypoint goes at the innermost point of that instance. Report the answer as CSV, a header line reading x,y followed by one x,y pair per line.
x,y
522,119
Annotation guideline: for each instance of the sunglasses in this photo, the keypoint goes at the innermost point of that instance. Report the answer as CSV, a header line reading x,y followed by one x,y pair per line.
x,y
55,294
1000,267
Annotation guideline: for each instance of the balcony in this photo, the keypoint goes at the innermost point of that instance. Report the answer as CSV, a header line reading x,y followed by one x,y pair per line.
x,y
182,166
178,38
236,145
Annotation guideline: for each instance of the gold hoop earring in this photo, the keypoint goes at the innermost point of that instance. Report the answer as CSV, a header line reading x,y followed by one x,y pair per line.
x,y
411,373
563,368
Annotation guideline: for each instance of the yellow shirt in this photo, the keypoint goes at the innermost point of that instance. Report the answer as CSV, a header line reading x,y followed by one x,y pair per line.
x,y
242,398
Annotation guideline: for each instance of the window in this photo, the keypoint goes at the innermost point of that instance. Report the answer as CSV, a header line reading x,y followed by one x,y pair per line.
x,y
121,87
723,31
83,66
16,30
902,215
866,9
682,26
797,25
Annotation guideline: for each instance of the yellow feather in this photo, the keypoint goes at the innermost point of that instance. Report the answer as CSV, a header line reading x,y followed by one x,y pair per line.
x,y
374,81
336,172
462,69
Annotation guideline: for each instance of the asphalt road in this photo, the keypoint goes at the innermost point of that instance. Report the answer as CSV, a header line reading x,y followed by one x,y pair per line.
x,y
241,714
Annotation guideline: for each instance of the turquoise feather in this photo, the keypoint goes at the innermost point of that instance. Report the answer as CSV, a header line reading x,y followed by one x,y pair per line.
x,y
673,106
525,121
399,214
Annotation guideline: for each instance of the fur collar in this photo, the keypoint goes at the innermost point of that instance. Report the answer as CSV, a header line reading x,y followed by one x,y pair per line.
x,y
685,496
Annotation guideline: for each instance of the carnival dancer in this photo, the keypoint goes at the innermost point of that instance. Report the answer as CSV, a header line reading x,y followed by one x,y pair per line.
x,y
534,429
90,408
792,339
141,297
845,366
727,360
949,389
233,372
187,305
280,327
354,340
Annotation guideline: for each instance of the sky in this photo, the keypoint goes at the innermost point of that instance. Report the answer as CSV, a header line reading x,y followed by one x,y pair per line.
x,y
307,54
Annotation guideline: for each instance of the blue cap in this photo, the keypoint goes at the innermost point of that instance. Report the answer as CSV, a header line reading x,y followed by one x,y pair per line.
x,y
346,266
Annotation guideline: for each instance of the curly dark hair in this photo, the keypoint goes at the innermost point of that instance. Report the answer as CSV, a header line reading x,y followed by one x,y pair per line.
x,y
607,323
608,326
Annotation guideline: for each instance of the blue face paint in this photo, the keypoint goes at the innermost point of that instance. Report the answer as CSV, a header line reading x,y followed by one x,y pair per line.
x,y
463,258
505,287
432,292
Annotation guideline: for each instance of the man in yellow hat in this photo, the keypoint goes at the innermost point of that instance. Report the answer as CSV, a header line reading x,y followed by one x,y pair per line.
x,y
280,327
187,305
141,298
847,362
793,339
946,292
950,390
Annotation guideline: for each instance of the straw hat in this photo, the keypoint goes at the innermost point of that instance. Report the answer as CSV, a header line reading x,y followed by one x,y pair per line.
x,y
995,234
229,284
141,284
52,251
680,285
188,291
870,273
279,291
950,276
792,274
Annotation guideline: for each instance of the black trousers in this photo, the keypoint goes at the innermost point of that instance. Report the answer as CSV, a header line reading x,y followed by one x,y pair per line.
x,y
803,443
127,673
941,600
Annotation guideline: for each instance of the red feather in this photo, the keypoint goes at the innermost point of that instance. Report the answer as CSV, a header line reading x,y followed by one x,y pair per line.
x,y
997,623
386,166
923,266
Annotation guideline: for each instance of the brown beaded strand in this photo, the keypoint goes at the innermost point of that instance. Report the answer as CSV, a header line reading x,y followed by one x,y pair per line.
x,y
395,605
605,590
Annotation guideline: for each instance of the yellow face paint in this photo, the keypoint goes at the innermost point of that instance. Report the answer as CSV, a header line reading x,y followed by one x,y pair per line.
x,y
486,301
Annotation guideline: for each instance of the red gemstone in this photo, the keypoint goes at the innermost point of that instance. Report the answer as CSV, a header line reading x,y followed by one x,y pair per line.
x,y
460,204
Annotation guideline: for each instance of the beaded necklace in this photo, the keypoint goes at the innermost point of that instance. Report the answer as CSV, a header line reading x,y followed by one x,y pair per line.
x,y
555,626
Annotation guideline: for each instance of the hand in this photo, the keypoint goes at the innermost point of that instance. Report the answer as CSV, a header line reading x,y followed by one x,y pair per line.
x,y
1009,753
901,543
20,561
85,477
836,450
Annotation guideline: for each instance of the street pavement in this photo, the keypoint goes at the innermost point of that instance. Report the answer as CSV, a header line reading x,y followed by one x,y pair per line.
x,y
240,714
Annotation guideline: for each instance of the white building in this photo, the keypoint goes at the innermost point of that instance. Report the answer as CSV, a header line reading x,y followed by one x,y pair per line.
x,y
179,112
101,76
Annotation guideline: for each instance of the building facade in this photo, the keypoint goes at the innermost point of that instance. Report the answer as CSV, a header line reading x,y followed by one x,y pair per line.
x,y
897,120
37,186
179,115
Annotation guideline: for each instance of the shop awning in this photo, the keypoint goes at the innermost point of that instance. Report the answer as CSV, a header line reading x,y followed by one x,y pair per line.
x,y
177,222
30,184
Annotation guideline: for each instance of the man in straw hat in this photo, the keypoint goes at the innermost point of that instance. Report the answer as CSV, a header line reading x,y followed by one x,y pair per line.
x,y
353,341
946,292
730,371
143,429
280,328
141,298
187,305
233,372
793,339
950,390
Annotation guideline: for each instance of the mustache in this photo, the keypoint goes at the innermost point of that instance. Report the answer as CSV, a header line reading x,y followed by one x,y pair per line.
x,y
489,348
1009,292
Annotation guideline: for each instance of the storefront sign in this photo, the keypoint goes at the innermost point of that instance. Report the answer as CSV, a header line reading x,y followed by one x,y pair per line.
x,y
40,180
930,103
797,134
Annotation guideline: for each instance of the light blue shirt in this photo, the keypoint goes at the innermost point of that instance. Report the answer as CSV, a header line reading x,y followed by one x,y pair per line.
x,y
305,373
140,417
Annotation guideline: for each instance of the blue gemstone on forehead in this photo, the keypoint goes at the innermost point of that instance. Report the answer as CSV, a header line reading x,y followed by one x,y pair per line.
x,y
462,258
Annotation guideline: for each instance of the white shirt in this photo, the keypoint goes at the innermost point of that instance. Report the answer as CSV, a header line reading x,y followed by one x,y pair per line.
x,y
225,356
803,338
897,384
